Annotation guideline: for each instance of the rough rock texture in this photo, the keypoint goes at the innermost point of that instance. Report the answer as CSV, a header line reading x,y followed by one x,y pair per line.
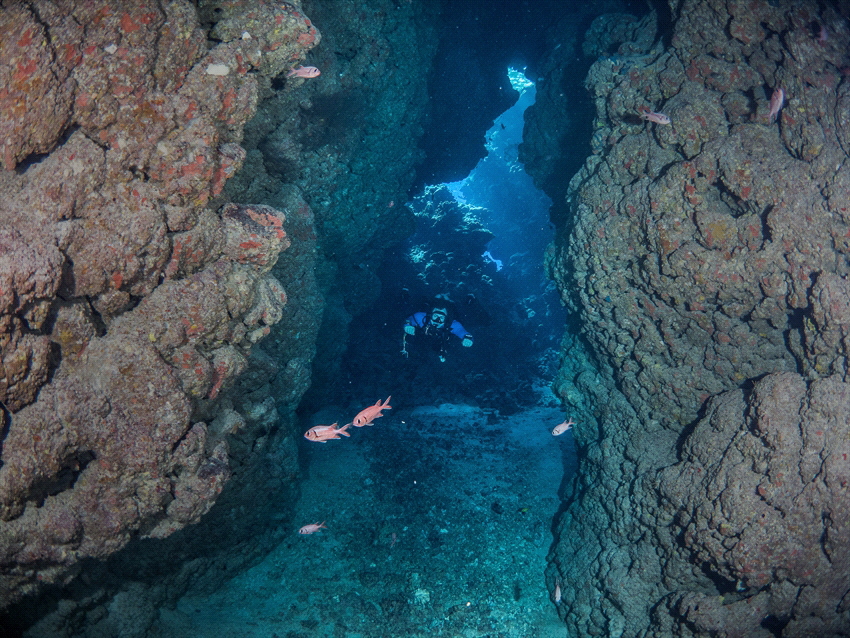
x,y
130,298
707,262
760,498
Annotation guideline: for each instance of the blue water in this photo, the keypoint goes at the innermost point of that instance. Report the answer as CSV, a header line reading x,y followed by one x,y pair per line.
x,y
437,525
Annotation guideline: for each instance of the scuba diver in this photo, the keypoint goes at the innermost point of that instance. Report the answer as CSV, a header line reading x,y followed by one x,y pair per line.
x,y
437,324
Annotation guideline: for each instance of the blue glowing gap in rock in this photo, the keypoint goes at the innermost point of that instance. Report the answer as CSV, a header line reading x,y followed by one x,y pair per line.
x,y
518,80
509,205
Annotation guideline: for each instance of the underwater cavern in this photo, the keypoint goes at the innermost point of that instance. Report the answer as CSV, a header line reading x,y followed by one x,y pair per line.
x,y
408,318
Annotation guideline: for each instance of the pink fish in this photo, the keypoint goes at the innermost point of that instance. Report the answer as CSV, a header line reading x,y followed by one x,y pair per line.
x,y
313,527
563,427
367,415
304,72
652,116
777,100
324,433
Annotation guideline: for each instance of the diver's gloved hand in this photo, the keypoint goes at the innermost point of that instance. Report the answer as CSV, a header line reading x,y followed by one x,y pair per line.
x,y
467,341
410,329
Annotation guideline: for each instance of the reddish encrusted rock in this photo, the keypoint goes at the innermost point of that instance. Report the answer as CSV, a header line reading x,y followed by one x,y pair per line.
x,y
280,29
36,97
130,295
29,278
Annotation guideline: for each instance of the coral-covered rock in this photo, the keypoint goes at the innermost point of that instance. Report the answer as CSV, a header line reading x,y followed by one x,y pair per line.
x,y
282,29
760,499
29,278
129,304
717,245
826,341
37,96
619,33
707,261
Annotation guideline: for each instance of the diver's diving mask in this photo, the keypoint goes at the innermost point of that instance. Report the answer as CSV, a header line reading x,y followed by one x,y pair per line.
x,y
438,317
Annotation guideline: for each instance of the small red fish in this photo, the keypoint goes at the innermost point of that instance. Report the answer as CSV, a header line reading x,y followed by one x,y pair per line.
x,y
777,100
324,433
652,116
366,416
563,427
313,527
304,72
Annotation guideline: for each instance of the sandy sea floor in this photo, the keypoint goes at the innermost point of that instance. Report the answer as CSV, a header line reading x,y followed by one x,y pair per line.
x,y
439,521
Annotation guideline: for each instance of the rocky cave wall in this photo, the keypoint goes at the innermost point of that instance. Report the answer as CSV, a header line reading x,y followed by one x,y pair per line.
x,y
131,293
707,263
140,280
